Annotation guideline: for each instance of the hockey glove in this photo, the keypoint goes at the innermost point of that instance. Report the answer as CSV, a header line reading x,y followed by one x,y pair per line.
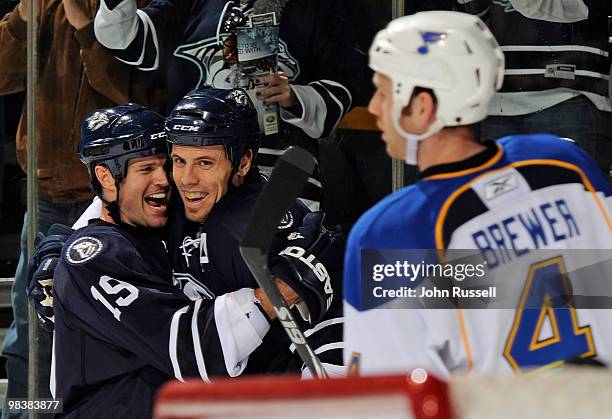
x,y
40,272
309,263
233,18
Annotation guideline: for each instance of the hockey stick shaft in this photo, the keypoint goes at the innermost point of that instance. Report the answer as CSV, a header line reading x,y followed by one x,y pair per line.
x,y
286,182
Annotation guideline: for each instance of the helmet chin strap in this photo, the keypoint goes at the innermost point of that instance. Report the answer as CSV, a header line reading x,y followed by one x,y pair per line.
x,y
412,140
113,207
230,183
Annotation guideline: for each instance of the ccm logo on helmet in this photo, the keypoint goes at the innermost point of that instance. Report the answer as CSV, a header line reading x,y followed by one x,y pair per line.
x,y
158,135
185,128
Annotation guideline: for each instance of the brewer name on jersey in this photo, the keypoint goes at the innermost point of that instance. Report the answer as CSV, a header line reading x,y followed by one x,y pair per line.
x,y
529,228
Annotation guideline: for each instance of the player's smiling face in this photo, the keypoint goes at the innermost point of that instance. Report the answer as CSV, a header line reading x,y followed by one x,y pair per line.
x,y
144,193
381,106
201,175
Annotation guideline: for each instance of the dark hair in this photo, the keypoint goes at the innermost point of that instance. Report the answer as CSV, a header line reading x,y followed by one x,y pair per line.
x,y
474,128
417,90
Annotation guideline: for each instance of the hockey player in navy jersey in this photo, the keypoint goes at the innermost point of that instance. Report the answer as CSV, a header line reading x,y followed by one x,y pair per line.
x,y
122,326
435,74
111,288
315,86
215,138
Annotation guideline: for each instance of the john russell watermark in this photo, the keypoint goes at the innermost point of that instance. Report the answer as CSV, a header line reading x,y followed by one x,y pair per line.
x,y
426,278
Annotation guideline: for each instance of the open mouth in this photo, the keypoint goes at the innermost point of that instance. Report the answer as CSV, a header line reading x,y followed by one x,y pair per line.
x,y
157,200
194,196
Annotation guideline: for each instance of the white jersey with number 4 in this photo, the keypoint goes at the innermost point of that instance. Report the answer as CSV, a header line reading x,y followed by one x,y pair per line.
x,y
537,209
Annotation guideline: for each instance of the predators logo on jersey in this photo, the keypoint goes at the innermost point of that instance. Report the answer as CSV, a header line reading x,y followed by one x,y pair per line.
x,y
83,250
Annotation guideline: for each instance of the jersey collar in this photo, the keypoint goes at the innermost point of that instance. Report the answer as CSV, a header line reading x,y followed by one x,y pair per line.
x,y
487,157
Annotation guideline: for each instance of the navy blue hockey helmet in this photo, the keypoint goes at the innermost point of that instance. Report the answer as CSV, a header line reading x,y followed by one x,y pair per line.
x,y
208,116
114,136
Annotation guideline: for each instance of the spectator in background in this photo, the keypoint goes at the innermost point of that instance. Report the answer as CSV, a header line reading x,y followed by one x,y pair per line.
x,y
5,7
316,83
76,76
557,71
2,150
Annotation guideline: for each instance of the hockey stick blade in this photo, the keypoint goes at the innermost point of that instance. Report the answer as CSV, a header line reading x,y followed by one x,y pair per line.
x,y
286,182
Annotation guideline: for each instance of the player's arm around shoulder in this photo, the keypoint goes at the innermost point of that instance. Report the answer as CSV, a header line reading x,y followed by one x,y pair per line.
x,y
120,299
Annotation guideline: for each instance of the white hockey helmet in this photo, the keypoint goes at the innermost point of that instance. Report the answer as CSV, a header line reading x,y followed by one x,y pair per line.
x,y
454,54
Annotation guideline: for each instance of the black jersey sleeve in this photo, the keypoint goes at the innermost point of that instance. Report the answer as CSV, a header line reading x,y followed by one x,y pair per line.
x,y
325,336
339,72
326,340
599,6
109,288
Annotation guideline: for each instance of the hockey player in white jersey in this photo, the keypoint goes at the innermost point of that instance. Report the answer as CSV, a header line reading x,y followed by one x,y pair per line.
x,y
525,202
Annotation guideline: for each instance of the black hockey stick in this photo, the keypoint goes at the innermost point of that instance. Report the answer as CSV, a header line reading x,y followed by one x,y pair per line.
x,y
286,182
